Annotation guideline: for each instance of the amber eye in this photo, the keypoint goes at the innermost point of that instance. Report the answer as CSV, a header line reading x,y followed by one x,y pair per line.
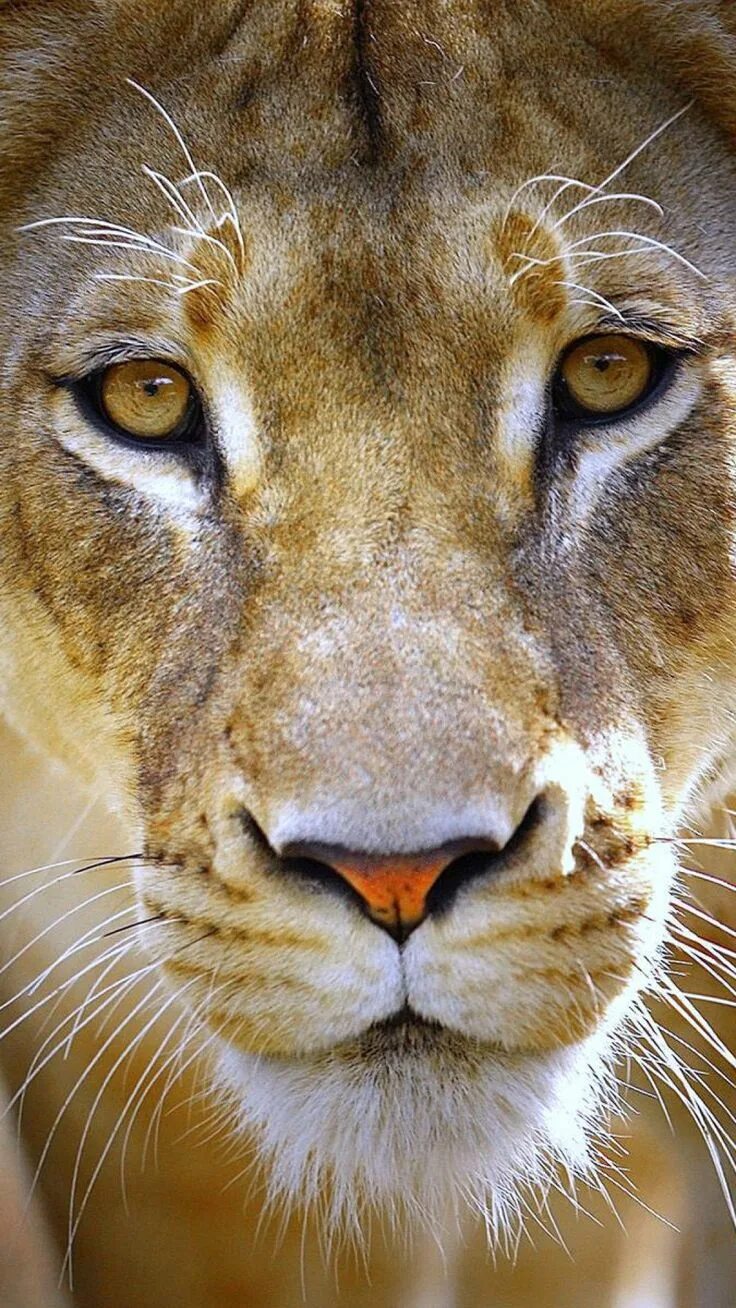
x,y
146,399
604,375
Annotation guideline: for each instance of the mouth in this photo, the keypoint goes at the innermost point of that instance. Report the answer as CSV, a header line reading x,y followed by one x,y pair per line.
x,y
407,1038
404,1031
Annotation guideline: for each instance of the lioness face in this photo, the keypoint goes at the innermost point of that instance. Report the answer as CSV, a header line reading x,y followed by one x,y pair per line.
x,y
368,407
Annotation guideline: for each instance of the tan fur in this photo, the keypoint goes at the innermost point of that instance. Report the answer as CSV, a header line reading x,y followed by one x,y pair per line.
x,y
399,614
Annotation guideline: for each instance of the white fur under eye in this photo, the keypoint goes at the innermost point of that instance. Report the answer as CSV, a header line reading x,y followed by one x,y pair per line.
x,y
154,474
603,449
159,475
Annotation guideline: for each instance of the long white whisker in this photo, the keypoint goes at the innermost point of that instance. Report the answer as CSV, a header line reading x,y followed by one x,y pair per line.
x,y
122,985
155,281
63,917
687,906
66,876
84,941
197,286
575,253
133,248
231,215
176,200
191,1032
126,1053
180,139
645,143
623,234
96,988
706,876
583,258
570,182
212,240
680,1003
587,290
710,1128
146,999
722,954
133,1117
607,199
709,965
536,181
59,990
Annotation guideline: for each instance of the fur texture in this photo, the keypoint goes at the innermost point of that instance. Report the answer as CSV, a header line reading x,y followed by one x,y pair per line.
x,y
389,601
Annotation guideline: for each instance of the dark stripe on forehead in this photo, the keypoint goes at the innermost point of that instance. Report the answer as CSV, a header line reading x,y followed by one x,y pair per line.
x,y
366,80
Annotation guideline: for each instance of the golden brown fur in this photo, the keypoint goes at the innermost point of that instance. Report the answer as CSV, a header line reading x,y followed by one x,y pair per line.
x,y
390,605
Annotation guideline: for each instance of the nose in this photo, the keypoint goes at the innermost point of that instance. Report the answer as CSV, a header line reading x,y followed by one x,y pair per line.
x,y
398,891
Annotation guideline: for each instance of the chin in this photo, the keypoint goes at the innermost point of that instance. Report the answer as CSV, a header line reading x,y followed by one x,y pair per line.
x,y
416,1122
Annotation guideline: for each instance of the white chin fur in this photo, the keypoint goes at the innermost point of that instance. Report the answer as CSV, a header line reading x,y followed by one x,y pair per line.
x,y
415,1130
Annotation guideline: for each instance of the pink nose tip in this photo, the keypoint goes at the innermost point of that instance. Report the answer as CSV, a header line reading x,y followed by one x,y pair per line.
x,y
394,888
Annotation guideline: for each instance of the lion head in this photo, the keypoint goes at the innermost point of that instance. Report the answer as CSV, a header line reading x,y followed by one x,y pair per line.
x,y
368,396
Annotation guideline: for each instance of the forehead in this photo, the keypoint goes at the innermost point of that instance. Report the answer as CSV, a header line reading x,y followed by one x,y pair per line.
x,y
300,90
422,166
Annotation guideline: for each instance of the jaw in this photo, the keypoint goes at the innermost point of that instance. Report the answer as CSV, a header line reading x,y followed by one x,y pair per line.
x,y
413,1119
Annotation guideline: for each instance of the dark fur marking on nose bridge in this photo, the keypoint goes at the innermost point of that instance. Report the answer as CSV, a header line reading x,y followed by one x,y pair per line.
x,y
365,79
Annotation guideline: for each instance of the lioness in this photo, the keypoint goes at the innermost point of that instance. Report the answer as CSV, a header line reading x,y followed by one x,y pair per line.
x,y
368,396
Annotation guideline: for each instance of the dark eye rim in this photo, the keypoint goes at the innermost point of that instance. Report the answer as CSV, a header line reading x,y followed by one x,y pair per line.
x,y
190,433
572,416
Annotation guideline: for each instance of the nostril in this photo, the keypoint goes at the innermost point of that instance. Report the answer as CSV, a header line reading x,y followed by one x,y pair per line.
x,y
477,863
397,891
294,864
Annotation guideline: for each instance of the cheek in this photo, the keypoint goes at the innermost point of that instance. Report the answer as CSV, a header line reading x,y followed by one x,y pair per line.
x,y
268,975
541,977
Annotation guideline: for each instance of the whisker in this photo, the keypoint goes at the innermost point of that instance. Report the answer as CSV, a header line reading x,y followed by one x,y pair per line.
x,y
575,252
597,298
232,214
131,1121
146,921
212,240
681,1004
63,917
162,253
142,1003
537,181
687,906
607,199
59,990
706,876
719,954
176,200
121,986
709,969
140,1035
180,140
710,1128
84,941
191,1032
155,281
66,876
663,127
